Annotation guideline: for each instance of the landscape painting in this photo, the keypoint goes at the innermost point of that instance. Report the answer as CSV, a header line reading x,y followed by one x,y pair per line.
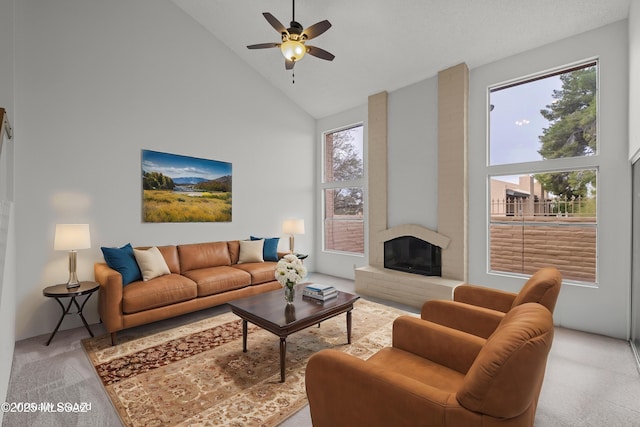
x,y
184,189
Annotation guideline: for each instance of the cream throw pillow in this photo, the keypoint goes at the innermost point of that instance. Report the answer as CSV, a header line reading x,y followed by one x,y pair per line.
x,y
151,263
251,251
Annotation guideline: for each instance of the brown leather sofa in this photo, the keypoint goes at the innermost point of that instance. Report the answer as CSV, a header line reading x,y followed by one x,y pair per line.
x,y
202,275
478,310
437,376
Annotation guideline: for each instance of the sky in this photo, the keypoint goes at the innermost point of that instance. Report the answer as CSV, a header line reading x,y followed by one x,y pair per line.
x,y
516,122
178,166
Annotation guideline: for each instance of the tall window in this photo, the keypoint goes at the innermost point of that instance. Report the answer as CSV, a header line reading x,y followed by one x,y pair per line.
x,y
542,173
342,189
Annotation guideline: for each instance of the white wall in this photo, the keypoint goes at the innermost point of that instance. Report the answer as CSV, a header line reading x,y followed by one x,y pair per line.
x,y
336,264
8,273
98,81
7,250
634,80
604,309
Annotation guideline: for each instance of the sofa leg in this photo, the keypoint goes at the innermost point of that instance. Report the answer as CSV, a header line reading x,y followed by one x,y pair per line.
x,y
113,338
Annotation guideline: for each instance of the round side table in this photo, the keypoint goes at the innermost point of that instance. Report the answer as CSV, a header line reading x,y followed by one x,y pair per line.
x,y
61,291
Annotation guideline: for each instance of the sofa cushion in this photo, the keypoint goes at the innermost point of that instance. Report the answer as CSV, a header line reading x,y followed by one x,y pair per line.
x,y
215,280
159,292
270,249
124,262
151,263
251,251
203,255
234,250
261,272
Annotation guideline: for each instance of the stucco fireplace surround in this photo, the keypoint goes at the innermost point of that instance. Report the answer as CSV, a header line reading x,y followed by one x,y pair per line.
x,y
451,236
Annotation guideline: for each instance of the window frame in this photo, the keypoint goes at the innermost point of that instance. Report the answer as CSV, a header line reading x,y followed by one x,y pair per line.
x,y
545,165
359,183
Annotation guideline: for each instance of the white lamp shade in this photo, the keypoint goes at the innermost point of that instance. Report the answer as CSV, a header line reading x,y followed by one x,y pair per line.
x,y
71,237
293,226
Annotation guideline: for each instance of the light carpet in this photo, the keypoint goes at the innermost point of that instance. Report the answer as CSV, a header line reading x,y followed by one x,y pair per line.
x,y
197,375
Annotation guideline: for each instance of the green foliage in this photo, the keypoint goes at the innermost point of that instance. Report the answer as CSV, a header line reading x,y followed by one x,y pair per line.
x,y
572,132
156,181
346,165
569,184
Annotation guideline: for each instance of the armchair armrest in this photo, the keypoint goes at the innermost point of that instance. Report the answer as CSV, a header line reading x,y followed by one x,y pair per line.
x,y
345,391
480,296
110,296
464,317
446,346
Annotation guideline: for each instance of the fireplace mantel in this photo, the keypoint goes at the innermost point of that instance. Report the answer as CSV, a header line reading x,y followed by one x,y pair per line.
x,y
414,230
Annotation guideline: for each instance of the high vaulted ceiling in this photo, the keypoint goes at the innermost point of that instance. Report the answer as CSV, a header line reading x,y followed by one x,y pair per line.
x,y
385,45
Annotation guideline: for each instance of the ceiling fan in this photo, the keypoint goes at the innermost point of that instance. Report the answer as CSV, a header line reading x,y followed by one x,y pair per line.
x,y
293,45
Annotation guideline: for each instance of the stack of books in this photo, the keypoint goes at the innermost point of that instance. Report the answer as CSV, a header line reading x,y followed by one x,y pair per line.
x,y
320,292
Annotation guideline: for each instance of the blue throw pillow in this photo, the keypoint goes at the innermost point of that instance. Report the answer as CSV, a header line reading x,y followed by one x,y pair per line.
x,y
270,248
124,262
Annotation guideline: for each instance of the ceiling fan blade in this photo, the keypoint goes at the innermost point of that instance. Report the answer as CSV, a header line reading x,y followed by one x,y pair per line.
x,y
263,45
316,29
275,23
320,53
288,65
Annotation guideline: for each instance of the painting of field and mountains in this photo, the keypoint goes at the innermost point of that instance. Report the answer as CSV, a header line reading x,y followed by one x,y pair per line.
x,y
184,189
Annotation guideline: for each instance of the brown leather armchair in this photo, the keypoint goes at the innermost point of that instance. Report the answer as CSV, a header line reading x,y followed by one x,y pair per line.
x,y
437,376
478,310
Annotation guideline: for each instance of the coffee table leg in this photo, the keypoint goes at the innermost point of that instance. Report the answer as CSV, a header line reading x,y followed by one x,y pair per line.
x,y
349,327
283,355
244,336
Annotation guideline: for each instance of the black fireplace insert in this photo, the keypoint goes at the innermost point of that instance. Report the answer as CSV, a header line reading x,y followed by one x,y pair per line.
x,y
413,255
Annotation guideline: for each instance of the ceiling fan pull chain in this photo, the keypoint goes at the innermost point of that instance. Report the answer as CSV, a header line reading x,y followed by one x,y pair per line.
x,y
293,77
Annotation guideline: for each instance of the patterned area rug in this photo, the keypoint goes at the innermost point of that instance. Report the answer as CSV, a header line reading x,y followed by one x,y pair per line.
x,y
197,375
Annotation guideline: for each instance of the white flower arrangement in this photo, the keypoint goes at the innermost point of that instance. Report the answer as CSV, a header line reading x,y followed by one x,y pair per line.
x,y
290,271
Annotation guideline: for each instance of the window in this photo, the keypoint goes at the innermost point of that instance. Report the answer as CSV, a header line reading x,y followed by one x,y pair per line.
x,y
343,190
542,174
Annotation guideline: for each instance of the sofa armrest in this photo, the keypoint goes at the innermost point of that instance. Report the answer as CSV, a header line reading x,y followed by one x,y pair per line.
x,y
464,317
446,346
480,296
110,296
345,391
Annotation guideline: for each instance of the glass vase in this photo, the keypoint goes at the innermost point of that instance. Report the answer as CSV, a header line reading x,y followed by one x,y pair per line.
x,y
289,294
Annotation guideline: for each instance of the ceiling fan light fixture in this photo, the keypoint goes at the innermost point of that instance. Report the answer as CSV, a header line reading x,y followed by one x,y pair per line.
x,y
293,50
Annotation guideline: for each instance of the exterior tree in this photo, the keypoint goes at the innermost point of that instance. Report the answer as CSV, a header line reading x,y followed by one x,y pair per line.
x,y
572,132
346,165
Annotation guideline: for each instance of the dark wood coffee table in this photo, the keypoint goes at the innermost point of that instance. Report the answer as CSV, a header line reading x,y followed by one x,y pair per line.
x,y
271,312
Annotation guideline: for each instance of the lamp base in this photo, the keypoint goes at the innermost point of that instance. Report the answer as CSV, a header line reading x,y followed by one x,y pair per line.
x,y
73,281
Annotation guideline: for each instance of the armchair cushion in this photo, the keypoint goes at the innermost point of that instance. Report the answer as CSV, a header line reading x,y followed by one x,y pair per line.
x,y
474,320
480,296
436,342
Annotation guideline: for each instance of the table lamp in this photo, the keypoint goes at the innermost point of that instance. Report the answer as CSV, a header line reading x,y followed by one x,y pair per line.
x,y
291,227
71,237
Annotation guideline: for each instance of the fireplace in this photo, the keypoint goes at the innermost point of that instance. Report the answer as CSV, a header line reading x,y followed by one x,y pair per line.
x,y
413,255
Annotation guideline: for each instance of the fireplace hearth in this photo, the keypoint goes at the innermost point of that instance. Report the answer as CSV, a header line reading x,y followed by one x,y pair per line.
x,y
413,255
